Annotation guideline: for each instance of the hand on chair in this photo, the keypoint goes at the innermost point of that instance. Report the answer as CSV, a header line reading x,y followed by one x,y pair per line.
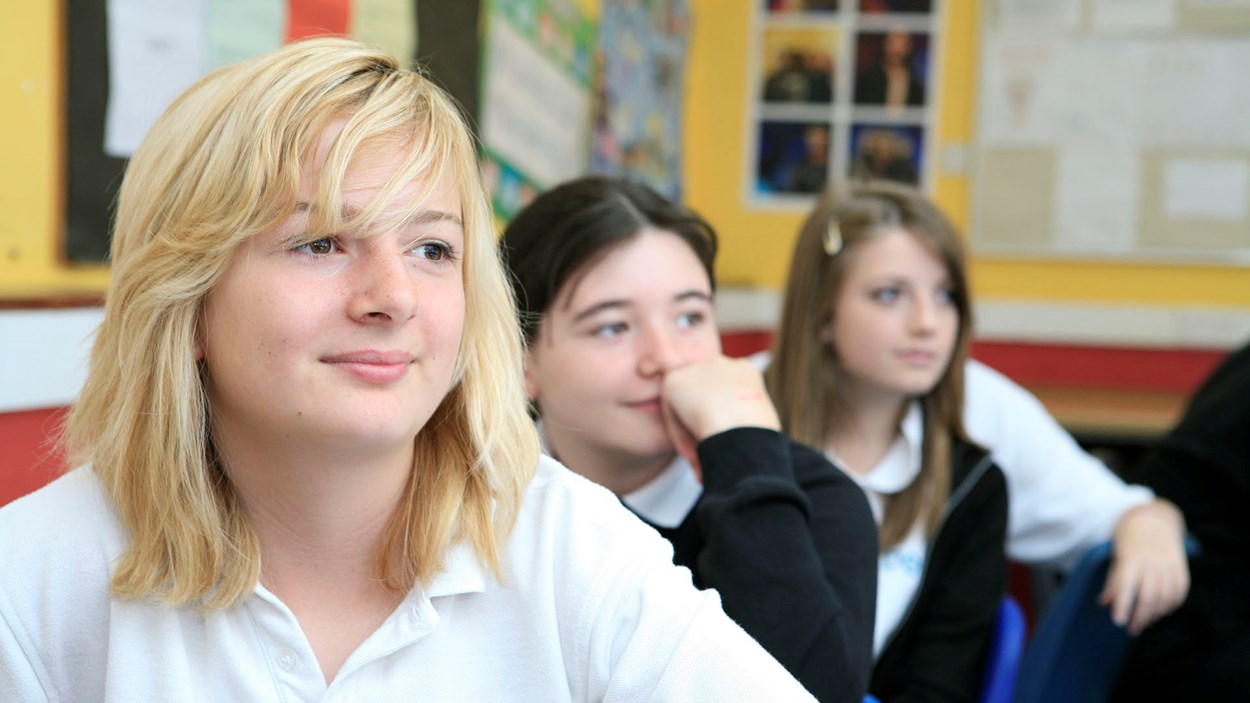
x,y
1149,574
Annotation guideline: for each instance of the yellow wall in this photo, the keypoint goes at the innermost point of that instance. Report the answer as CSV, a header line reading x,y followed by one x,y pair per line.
x,y
30,154
756,244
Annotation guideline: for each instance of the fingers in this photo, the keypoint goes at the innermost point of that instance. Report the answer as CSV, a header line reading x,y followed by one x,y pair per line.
x,y
1140,594
683,440
1149,574
717,395
1119,594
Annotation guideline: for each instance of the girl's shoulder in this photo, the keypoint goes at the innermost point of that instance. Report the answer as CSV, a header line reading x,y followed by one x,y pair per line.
x,y
973,467
70,517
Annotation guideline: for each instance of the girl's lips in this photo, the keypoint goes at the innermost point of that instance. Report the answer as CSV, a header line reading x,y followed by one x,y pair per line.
x,y
651,405
917,357
373,373
372,366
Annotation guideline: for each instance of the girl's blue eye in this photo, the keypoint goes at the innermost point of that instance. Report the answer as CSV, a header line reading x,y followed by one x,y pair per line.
x,y
317,247
611,330
886,295
690,319
947,296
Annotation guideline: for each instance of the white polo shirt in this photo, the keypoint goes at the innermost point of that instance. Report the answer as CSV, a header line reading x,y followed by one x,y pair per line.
x,y
900,570
1063,500
591,609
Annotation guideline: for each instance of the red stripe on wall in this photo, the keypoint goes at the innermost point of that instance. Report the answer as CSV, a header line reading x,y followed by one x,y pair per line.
x,y
1065,365
28,460
1110,368
310,18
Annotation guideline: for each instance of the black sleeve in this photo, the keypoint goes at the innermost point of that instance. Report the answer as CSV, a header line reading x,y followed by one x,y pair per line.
x,y
1203,464
941,654
791,546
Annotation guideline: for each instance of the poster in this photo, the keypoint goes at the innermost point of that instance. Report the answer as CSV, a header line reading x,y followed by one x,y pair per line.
x,y
638,92
841,90
536,63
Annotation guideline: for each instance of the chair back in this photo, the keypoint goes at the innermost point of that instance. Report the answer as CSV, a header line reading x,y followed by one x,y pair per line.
x,y
1077,651
1006,649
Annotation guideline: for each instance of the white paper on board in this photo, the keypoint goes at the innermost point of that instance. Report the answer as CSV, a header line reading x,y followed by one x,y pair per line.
x,y
1207,189
1121,15
1182,75
1025,14
1021,91
156,50
1096,200
548,145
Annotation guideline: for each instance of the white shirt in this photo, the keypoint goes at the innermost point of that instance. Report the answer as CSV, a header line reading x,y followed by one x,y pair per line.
x,y
591,609
900,570
668,498
1063,500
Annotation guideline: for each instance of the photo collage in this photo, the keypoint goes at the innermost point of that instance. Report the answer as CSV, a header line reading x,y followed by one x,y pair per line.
x,y
842,88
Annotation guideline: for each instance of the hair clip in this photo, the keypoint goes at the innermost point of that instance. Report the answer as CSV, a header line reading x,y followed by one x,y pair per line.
x,y
833,238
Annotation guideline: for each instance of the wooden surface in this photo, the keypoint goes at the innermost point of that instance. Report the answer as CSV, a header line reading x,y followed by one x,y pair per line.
x,y
1119,414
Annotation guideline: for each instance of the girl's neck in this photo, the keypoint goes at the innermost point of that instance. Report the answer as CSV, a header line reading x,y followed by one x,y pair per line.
x,y
865,425
620,472
313,509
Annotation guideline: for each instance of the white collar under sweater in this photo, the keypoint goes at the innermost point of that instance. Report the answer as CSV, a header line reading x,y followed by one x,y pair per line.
x,y
899,570
665,500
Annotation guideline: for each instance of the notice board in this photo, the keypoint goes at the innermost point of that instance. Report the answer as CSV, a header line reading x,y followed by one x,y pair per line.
x,y
1114,129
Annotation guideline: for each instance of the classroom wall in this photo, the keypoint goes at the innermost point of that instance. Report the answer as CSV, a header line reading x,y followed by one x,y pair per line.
x,y
757,244
1105,311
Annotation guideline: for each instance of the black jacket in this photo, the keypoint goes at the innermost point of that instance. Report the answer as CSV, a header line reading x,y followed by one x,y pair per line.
x,y
789,542
938,652
1202,650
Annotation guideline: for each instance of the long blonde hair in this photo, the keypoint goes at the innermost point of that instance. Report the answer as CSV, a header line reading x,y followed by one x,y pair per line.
x,y
802,377
222,164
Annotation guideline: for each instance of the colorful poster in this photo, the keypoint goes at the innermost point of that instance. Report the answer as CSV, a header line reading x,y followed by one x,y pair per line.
x,y
536,103
842,90
638,91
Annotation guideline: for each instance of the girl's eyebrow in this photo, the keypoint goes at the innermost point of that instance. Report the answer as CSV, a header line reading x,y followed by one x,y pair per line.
x,y
600,307
692,294
420,217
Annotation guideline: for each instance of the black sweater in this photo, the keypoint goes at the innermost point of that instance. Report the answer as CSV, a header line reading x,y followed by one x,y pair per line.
x,y
1202,650
790,544
938,652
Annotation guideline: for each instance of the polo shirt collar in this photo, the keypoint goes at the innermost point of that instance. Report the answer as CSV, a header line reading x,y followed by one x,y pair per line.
x,y
901,464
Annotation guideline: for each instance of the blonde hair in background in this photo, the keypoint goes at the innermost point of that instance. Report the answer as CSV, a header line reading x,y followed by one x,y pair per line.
x,y
802,376
222,164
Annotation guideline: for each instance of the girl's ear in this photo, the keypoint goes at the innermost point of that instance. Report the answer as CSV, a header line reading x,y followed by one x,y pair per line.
x,y
531,387
825,334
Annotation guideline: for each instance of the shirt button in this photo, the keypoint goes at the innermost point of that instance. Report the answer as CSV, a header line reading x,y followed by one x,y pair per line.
x,y
286,659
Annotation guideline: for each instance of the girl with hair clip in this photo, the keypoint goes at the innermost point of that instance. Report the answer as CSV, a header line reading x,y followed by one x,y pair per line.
x,y
625,370
310,474
867,365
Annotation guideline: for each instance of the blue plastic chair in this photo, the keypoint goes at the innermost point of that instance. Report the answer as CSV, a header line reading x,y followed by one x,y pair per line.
x,y
1077,651
1006,647
1006,650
